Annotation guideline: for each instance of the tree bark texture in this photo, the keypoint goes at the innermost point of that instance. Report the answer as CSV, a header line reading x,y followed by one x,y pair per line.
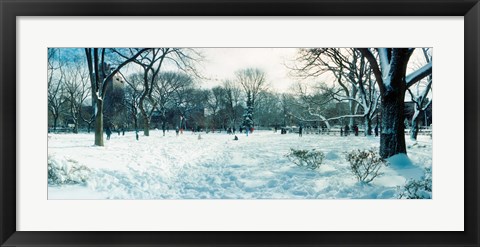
x,y
146,125
368,126
414,128
392,136
99,123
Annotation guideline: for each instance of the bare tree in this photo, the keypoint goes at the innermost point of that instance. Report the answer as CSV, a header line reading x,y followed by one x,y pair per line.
x,y
390,73
314,62
353,76
232,101
286,104
268,109
99,77
167,84
151,63
215,103
253,81
56,100
55,88
75,76
188,100
420,100
132,98
311,104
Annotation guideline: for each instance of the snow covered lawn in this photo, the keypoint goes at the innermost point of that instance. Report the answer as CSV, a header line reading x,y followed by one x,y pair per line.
x,y
217,167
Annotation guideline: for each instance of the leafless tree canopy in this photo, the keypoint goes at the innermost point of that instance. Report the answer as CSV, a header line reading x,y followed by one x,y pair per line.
x,y
252,80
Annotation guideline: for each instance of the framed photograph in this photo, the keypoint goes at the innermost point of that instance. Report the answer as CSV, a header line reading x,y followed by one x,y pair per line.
x,y
239,123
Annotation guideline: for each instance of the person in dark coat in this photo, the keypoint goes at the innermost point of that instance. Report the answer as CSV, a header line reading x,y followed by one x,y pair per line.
x,y
355,128
300,130
341,131
346,130
376,130
108,131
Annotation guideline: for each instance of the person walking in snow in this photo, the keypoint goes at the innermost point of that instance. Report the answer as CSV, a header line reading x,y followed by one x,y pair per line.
x,y
341,131
355,128
347,129
300,131
376,130
108,131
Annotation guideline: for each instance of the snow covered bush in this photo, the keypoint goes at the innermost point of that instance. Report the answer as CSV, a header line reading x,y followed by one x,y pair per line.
x,y
310,159
365,164
418,189
66,171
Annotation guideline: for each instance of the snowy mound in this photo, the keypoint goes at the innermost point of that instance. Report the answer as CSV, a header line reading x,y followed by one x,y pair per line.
x,y
405,167
400,161
62,170
332,156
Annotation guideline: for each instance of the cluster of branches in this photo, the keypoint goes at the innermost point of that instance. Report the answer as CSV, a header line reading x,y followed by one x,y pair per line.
x,y
353,84
74,77
373,82
68,90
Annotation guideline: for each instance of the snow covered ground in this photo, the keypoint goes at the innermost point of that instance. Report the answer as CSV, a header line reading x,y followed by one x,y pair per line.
x,y
217,167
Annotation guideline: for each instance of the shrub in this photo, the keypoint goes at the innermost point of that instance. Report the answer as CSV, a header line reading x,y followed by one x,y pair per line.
x,y
365,164
418,189
310,159
66,171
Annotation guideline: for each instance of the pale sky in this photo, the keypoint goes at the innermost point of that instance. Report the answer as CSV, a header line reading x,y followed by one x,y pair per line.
x,y
221,64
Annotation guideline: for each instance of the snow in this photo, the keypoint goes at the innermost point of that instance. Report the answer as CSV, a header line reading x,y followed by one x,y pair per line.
x,y
404,166
419,74
384,62
98,96
217,167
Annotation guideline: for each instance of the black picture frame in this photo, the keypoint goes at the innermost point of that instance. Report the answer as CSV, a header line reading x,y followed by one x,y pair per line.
x,y
10,9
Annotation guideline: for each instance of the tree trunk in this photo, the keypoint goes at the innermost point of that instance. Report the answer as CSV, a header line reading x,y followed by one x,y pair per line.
x,y
414,128
392,137
146,126
146,122
351,121
55,119
163,127
99,124
135,122
368,126
75,128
